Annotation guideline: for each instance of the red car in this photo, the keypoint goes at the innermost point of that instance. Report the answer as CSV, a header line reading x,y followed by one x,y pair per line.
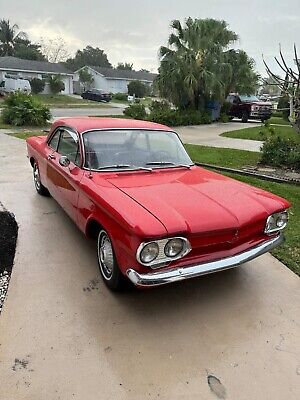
x,y
157,217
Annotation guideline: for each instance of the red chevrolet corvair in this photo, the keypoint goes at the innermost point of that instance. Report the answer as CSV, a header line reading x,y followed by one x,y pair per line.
x,y
156,216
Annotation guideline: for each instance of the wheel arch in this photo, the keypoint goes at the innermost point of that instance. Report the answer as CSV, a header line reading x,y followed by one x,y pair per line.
x,y
92,228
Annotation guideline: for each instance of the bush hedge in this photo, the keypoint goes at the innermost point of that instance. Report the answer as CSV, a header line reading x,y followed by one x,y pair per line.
x,y
281,152
136,111
162,113
37,85
22,109
120,96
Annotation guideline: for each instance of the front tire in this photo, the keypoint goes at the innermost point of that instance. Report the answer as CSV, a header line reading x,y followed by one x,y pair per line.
x,y
245,116
39,187
108,265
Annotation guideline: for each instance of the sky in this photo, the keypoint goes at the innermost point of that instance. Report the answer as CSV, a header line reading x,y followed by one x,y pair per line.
x,y
132,31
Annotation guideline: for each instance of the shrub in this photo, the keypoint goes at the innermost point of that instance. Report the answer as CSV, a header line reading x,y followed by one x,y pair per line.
x,y
23,109
136,111
225,108
162,113
56,84
37,85
120,96
281,152
138,89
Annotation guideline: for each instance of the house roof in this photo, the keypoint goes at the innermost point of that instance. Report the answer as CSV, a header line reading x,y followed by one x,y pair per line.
x,y
19,64
114,73
82,124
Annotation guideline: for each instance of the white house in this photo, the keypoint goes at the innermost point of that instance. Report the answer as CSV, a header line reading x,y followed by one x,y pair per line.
x,y
29,69
113,80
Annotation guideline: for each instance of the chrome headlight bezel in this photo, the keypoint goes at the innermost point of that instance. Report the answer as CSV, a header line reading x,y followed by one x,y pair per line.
x,y
162,258
276,222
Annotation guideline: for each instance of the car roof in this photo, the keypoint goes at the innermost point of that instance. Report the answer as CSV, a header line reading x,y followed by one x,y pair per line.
x,y
82,124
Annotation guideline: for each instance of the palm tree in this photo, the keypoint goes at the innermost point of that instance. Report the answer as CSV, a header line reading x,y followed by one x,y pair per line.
x,y
194,63
9,35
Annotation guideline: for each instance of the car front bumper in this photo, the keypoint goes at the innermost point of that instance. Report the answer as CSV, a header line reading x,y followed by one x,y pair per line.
x,y
191,271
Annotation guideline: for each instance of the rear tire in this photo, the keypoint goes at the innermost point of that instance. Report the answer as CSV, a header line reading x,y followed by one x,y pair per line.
x,y
39,187
108,265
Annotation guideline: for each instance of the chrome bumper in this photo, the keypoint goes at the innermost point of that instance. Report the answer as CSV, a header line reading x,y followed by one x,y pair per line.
x,y
191,271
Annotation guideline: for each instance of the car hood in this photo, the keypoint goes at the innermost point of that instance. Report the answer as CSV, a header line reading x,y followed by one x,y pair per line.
x,y
197,200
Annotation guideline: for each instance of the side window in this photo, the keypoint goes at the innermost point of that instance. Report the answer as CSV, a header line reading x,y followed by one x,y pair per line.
x,y
54,140
69,146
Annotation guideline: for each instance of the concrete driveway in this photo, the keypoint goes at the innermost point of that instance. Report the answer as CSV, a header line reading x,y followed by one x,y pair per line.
x,y
209,135
63,335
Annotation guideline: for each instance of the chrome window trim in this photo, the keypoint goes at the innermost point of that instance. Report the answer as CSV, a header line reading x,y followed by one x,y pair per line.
x,y
124,129
161,260
72,133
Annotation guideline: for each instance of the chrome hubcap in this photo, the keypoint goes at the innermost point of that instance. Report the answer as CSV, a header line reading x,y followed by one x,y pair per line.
x,y
105,255
36,177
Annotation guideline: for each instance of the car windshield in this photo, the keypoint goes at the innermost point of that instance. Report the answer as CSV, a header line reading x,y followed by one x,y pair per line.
x,y
248,98
133,149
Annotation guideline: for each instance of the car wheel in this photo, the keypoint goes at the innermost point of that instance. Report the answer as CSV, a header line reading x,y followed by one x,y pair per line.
x,y
245,116
108,265
40,188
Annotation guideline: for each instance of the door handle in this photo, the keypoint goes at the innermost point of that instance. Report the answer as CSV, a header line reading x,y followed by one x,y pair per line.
x,y
51,157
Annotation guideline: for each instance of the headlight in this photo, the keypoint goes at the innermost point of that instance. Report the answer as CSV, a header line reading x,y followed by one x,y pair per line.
x,y
276,222
174,247
158,253
149,252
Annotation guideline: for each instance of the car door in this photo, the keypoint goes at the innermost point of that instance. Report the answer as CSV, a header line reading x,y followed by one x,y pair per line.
x,y
49,168
69,173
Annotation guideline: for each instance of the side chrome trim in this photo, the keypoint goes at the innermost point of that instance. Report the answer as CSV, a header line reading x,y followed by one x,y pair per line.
x,y
192,271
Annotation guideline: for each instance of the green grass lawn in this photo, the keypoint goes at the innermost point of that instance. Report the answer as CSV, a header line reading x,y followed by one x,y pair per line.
x,y
261,133
62,100
278,120
26,134
223,157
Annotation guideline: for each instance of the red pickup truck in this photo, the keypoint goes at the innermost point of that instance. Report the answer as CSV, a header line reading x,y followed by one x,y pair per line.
x,y
248,107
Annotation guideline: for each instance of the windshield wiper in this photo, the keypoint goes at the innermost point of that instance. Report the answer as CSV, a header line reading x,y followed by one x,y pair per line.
x,y
115,166
168,163
133,167
160,163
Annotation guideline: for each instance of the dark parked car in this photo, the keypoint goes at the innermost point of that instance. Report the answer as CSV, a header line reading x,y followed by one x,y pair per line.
x,y
96,95
249,107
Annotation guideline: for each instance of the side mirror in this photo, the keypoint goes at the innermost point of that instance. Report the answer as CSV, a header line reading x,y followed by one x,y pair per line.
x,y
64,161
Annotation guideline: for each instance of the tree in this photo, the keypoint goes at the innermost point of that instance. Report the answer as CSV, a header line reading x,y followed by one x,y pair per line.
x,y
85,78
269,87
241,77
125,66
289,86
138,89
27,50
56,84
55,50
88,56
197,65
9,34
37,85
